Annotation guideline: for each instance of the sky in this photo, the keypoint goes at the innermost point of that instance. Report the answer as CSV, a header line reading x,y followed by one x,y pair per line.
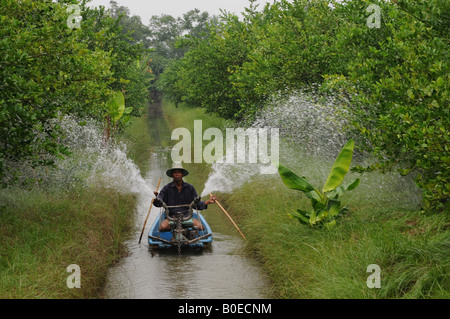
x,y
147,8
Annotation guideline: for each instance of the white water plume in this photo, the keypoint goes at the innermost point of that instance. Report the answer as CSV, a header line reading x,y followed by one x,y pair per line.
x,y
225,177
314,127
315,123
92,163
312,133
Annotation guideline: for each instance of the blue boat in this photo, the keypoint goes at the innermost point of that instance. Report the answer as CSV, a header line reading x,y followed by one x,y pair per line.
x,y
183,234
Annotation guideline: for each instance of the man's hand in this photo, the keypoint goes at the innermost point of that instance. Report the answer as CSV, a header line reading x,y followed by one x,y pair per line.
x,y
211,200
158,202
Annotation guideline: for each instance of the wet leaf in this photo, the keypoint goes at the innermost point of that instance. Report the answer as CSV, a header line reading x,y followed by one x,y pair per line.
x,y
340,168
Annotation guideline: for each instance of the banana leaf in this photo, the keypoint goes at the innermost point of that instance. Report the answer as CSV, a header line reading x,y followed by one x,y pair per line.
x,y
339,191
334,207
340,168
316,199
322,215
301,215
313,218
292,181
116,106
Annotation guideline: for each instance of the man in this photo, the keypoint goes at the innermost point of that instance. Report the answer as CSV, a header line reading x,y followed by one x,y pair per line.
x,y
178,193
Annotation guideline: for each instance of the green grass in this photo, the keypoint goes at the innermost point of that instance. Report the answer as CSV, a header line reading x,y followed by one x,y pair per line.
x,y
384,227
137,138
184,116
411,249
44,231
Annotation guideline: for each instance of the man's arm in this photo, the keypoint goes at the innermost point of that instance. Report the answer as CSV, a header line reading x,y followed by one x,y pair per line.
x,y
160,197
211,200
204,204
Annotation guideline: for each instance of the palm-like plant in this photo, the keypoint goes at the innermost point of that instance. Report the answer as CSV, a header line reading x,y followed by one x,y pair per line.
x,y
326,203
116,111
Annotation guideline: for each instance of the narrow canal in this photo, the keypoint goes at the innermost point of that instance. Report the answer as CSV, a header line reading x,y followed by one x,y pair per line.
x,y
220,272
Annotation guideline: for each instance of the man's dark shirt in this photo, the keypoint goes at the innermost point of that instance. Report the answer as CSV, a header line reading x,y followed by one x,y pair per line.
x,y
170,195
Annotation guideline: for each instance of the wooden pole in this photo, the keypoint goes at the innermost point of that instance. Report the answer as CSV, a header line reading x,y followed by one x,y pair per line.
x,y
149,212
223,209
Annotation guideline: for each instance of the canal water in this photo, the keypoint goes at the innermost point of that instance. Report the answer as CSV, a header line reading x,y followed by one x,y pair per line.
x,y
223,271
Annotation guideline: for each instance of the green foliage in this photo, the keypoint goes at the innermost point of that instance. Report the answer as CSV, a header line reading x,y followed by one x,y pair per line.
x,y
326,204
203,75
116,113
116,107
395,78
170,38
45,71
242,63
398,77
123,37
340,168
49,70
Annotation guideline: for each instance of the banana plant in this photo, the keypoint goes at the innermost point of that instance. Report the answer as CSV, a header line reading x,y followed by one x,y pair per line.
x,y
326,204
116,111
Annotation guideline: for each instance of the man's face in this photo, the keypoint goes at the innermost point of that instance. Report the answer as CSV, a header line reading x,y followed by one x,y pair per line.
x,y
177,175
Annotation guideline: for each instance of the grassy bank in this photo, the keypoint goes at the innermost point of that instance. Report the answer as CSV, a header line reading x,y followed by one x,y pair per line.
x,y
184,116
411,249
45,229
384,227
137,138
